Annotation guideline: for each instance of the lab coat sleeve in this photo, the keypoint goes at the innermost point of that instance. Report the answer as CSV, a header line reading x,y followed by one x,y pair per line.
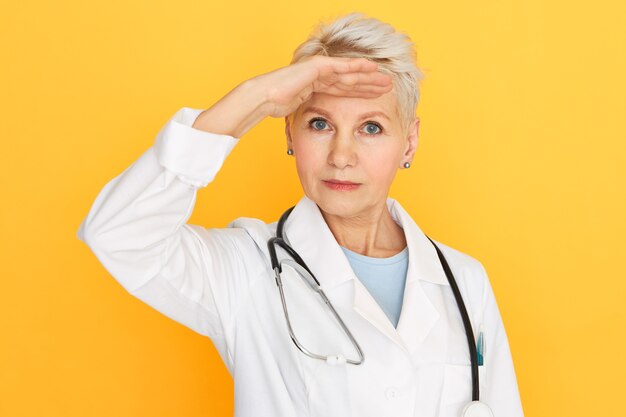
x,y
137,228
501,392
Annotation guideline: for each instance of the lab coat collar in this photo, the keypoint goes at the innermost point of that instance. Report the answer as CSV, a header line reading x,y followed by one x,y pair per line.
x,y
307,232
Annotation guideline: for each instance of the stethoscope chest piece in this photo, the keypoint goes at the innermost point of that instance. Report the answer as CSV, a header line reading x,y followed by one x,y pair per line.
x,y
477,409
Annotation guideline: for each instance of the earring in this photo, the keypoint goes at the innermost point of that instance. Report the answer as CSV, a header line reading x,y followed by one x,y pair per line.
x,y
406,164
289,151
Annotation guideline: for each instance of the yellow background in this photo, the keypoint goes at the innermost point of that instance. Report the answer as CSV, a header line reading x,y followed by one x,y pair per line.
x,y
521,164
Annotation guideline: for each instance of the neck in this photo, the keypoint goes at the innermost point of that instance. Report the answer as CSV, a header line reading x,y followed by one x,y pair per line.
x,y
373,233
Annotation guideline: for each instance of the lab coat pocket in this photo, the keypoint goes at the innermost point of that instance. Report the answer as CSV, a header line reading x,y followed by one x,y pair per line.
x,y
318,332
482,381
329,394
456,390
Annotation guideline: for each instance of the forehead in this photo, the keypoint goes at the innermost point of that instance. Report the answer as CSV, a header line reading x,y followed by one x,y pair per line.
x,y
351,107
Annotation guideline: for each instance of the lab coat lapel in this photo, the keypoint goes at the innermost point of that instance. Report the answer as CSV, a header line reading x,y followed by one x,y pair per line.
x,y
419,315
307,232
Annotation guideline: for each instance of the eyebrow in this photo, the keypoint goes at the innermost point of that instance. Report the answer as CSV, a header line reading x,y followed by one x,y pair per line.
x,y
313,109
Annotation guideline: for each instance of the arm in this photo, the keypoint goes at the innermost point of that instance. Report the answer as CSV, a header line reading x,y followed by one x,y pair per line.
x,y
137,227
501,392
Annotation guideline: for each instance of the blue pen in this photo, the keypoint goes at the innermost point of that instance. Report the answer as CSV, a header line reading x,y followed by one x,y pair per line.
x,y
480,346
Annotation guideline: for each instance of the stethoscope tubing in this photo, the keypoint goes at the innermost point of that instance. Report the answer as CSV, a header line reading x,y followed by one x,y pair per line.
x,y
469,332
278,240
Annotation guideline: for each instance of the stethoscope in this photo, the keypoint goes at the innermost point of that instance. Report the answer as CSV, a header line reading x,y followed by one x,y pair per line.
x,y
475,408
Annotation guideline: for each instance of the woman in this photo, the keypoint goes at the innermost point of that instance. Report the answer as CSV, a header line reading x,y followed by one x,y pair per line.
x,y
348,99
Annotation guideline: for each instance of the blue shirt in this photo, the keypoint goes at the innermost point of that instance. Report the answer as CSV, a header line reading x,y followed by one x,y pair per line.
x,y
384,278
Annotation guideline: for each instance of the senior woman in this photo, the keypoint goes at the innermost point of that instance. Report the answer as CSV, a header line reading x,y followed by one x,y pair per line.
x,y
397,345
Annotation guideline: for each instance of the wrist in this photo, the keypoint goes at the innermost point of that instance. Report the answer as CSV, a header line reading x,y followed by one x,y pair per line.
x,y
257,95
237,112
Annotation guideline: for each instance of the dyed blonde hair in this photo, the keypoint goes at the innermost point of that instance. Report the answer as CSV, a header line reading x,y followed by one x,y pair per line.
x,y
356,35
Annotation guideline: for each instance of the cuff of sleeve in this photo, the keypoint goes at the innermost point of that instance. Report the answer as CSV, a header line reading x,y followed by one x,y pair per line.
x,y
194,155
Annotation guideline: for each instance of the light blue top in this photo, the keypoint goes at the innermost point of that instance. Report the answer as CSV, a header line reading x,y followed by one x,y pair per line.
x,y
384,278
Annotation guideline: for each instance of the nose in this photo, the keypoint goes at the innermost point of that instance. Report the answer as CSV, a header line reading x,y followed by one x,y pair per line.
x,y
342,151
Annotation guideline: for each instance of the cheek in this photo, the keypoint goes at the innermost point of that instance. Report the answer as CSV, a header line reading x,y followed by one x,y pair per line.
x,y
308,156
381,165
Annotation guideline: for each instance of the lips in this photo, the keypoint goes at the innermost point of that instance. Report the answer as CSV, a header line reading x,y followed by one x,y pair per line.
x,y
338,185
341,182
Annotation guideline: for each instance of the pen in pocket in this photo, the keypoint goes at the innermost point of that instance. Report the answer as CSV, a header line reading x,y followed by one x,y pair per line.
x,y
480,346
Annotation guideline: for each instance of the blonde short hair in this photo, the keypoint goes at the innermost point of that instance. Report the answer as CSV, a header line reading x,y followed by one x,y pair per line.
x,y
356,35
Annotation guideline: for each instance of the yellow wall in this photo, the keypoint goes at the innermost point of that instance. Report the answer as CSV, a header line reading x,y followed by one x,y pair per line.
x,y
521,164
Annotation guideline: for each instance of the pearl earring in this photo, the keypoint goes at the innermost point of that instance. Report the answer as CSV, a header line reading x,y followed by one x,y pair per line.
x,y
406,164
290,151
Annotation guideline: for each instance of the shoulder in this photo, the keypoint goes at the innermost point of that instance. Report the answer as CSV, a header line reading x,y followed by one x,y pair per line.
x,y
469,273
256,232
465,268
462,261
257,229
241,242
244,238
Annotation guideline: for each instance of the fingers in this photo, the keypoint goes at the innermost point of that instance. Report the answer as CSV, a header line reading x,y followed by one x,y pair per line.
x,y
356,65
357,90
333,90
362,87
343,65
351,77
375,79
356,84
358,81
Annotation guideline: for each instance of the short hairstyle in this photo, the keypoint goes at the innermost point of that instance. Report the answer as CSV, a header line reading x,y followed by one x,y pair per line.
x,y
356,35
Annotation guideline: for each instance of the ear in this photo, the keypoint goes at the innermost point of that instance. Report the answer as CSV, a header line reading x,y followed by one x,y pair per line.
x,y
288,134
411,143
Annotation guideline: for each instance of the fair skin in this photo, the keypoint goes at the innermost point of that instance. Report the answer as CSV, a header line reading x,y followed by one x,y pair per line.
x,y
331,140
338,147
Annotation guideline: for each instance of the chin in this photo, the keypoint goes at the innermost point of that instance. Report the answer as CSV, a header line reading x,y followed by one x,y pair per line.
x,y
342,206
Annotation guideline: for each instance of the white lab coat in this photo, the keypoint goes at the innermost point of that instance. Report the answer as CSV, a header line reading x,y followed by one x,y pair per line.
x,y
218,282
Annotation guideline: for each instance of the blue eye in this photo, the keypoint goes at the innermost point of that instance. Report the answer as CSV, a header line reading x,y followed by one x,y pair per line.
x,y
318,124
376,125
312,122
